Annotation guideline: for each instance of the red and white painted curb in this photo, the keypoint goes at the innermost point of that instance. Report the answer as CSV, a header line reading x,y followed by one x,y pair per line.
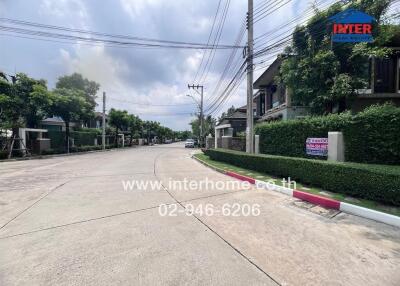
x,y
315,199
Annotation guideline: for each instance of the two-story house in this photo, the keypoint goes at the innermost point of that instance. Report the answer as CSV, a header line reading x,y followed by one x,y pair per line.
x,y
274,101
384,81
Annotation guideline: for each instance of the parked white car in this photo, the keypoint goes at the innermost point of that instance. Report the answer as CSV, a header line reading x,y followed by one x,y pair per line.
x,y
189,143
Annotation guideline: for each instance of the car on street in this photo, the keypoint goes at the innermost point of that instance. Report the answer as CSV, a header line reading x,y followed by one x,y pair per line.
x,y
189,143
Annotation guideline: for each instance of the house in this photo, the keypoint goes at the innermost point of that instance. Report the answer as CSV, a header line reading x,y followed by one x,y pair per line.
x,y
97,121
235,123
384,80
54,124
273,100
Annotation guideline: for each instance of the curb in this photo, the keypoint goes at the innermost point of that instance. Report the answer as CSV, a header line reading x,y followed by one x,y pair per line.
x,y
40,157
315,199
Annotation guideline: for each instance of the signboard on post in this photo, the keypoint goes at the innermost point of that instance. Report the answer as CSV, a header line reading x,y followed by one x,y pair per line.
x,y
317,146
352,26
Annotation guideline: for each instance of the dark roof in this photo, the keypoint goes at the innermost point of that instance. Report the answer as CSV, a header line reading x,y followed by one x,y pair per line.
x,y
53,119
239,114
269,74
236,115
98,114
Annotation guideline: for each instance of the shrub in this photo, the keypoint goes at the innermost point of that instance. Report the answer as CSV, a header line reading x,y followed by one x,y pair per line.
x,y
374,182
371,136
85,148
57,139
3,155
374,136
288,138
83,138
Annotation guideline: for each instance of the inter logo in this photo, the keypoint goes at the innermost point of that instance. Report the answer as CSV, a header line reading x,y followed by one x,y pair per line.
x,y
352,26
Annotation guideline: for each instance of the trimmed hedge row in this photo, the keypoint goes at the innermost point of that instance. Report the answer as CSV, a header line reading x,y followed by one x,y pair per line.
x,y
371,136
374,182
80,138
76,149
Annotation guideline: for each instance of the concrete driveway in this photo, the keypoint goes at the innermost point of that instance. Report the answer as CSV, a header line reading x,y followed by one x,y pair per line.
x,y
70,221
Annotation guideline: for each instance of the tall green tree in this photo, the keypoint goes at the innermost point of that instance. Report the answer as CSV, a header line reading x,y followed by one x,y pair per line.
x,y
118,119
78,82
209,126
134,126
70,105
24,101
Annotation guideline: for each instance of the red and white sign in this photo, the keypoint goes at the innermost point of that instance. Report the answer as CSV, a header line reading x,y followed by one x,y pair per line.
x,y
317,146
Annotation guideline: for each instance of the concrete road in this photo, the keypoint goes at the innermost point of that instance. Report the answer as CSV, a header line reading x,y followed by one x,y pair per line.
x,y
70,221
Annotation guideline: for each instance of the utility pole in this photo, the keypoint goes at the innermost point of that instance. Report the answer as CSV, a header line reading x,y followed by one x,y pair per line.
x,y
250,115
197,87
103,136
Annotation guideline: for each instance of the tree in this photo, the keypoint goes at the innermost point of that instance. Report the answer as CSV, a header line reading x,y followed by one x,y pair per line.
x,y
119,119
70,105
209,125
134,126
24,101
229,112
78,82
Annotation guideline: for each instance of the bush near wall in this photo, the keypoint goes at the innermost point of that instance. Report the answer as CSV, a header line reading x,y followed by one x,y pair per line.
x,y
3,155
57,139
374,182
371,136
80,138
83,138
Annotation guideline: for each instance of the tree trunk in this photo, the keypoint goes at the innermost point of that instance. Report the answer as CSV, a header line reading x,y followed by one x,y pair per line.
x,y
116,137
67,136
131,140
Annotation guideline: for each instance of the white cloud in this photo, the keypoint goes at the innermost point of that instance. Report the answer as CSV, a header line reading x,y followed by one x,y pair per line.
x,y
155,76
135,8
74,12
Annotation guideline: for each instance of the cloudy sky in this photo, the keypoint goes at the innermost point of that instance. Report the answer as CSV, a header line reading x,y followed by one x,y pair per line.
x,y
155,78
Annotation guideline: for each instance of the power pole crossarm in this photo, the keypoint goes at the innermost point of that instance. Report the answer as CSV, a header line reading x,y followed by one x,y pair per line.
x,y
250,115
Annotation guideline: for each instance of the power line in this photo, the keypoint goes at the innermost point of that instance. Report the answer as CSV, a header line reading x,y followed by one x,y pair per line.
x,y
272,9
228,64
208,40
148,104
217,38
36,29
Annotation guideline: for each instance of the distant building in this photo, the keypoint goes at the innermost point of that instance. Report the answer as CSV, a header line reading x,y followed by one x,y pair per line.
x,y
97,121
54,124
234,123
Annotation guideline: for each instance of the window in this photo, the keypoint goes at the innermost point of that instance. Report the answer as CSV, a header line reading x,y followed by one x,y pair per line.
x,y
385,75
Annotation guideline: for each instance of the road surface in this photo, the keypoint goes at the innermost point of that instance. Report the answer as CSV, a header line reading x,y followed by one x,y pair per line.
x,y
70,221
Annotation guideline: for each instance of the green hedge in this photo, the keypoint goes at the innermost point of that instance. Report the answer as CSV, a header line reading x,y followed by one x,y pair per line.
x,y
80,138
83,138
374,182
76,149
3,155
371,136
57,139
